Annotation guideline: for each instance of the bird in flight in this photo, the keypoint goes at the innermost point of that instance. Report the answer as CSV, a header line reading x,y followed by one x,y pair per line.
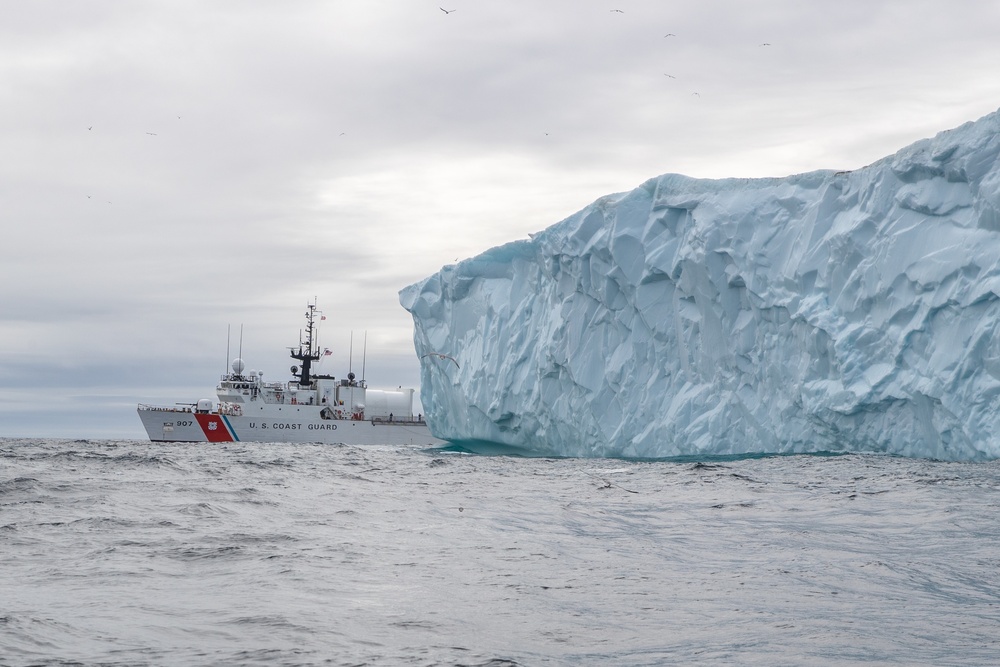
x,y
440,356
670,76
618,10
670,34
766,44
446,11
151,133
91,127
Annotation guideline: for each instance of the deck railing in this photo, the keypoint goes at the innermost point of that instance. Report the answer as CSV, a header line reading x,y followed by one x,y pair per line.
x,y
398,420
164,408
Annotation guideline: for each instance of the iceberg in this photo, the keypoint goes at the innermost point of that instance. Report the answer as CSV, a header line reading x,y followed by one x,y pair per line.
x,y
832,311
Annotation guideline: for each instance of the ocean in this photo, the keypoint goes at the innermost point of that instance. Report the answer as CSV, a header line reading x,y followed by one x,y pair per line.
x,y
132,553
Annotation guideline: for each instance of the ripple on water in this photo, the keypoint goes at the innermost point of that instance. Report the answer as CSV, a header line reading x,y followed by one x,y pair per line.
x,y
139,553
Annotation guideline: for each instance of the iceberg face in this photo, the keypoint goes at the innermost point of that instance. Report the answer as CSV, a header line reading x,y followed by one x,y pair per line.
x,y
828,311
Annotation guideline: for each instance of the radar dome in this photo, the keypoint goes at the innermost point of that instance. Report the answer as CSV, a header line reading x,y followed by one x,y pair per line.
x,y
238,365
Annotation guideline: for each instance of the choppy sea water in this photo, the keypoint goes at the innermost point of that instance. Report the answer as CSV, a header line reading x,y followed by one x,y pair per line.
x,y
132,553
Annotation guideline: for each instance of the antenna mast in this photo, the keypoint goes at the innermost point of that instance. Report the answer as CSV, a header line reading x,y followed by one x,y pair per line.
x,y
307,352
364,356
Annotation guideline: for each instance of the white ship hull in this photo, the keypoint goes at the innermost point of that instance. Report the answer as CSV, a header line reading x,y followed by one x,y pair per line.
x,y
305,426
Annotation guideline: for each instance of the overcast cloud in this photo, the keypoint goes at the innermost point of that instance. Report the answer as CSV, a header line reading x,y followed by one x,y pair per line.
x,y
176,168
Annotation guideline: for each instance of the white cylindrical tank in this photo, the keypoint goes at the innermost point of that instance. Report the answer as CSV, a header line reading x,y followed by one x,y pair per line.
x,y
383,402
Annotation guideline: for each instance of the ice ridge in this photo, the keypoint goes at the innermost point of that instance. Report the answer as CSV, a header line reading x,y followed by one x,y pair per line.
x,y
826,311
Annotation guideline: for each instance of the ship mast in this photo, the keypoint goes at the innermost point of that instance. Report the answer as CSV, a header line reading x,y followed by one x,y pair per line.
x,y
308,351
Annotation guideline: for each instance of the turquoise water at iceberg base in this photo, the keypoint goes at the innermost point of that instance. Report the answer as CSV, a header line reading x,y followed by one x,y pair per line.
x,y
132,553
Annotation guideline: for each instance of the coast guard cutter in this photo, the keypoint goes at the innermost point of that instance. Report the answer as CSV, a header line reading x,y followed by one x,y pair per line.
x,y
309,408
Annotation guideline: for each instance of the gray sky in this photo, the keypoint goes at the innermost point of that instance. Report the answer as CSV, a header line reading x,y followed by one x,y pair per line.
x,y
174,168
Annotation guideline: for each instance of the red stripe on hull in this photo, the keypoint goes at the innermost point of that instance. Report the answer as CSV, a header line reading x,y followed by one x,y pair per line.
x,y
214,428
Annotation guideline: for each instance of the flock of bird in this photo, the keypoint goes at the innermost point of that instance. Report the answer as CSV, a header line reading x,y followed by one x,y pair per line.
x,y
451,11
614,11
90,128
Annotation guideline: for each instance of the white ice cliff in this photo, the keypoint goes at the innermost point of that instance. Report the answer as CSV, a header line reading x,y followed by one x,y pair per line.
x,y
828,311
